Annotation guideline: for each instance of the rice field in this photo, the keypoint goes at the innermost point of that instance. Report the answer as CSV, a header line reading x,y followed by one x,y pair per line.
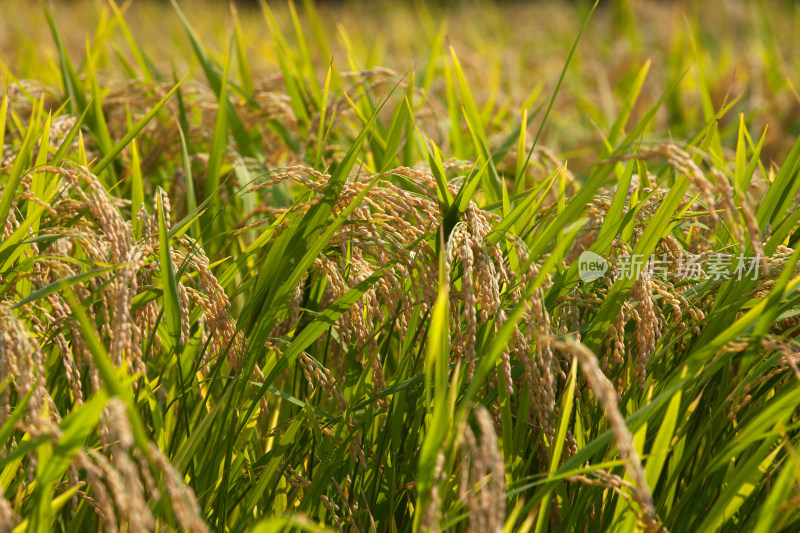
x,y
396,267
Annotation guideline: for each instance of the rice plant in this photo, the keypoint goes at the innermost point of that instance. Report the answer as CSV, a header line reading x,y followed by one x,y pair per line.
x,y
399,268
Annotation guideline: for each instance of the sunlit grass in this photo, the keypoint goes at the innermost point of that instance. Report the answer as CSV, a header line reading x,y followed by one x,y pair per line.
x,y
287,267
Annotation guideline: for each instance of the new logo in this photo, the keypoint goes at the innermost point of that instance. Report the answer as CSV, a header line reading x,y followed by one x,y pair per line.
x,y
591,266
